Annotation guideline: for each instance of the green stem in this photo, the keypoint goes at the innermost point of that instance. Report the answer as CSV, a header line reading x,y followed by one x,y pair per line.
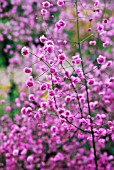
x,y
85,81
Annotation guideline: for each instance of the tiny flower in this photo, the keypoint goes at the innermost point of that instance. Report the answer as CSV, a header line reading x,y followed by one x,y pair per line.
x,y
110,123
30,83
28,110
2,101
98,116
78,61
52,70
60,2
92,42
105,44
59,156
50,48
100,27
49,42
60,24
31,97
96,3
67,99
82,100
51,92
101,59
90,20
37,116
8,108
89,29
44,12
60,110
43,87
111,79
43,105
75,79
91,82
23,110
43,38
24,151
54,129
30,159
62,57
15,152
27,70
46,4
25,51
109,63
67,113
40,111
70,118
105,21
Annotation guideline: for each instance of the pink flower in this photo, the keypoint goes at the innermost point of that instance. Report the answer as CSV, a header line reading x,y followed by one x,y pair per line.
x,y
101,59
31,97
30,82
43,38
30,158
91,82
106,43
100,28
27,70
25,51
24,151
46,4
23,110
60,24
50,48
43,87
15,152
44,12
78,61
109,63
92,42
89,29
60,2
28,110
96,3
62,57
51,92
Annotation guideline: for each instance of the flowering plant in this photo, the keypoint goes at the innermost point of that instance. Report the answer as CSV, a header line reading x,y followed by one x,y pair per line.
x,y
66,119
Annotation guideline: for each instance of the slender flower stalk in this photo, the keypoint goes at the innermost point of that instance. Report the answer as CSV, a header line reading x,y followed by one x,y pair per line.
x,y
87,94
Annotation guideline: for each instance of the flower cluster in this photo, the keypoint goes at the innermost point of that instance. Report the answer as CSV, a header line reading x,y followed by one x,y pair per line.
x,y
66,102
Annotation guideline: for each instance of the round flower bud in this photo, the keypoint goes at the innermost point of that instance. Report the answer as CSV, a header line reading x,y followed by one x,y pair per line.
x,y
91,82
60,2
15,152
27,70
25,51
46,4
62,57
101,59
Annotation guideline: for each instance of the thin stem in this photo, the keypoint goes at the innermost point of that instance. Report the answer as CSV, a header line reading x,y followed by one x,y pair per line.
x,y
86,38
76,92
41,60
98,35
88,103
78,127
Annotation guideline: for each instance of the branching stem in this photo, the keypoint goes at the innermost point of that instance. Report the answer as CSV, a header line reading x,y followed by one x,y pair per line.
x,y
87,94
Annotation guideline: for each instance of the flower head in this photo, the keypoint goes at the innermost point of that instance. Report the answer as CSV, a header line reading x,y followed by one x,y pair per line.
x,y
25,51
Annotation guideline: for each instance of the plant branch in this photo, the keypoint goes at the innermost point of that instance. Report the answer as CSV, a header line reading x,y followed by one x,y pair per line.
x,y
88,103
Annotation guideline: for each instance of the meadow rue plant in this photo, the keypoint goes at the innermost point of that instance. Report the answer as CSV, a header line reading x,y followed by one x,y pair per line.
x,y
66,100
